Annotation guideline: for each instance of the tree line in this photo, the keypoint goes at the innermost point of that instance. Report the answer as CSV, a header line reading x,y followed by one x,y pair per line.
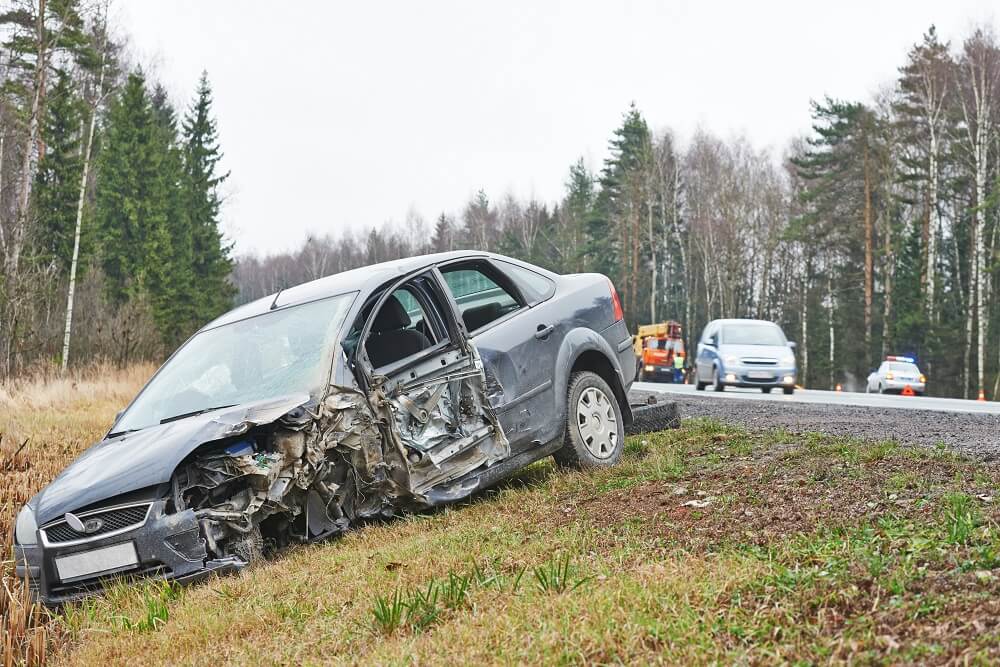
x,y
109,201
875,234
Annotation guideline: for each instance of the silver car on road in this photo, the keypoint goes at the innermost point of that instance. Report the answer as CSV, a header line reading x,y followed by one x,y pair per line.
x,y
745,353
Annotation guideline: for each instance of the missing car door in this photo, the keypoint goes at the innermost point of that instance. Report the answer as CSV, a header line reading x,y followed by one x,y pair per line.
x,y
426,382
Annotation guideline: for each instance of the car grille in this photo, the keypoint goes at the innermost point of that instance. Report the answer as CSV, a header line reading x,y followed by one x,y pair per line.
x,y
112,520
758,361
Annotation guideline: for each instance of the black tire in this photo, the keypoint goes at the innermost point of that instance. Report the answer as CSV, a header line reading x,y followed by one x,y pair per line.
x,y
787,391
655,417
766,390
576,451
717,384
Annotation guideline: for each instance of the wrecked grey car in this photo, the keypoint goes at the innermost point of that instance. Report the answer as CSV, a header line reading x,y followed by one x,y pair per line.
x,y
367,394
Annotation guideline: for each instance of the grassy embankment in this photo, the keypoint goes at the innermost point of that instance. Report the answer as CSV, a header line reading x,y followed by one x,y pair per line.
x,y
706,544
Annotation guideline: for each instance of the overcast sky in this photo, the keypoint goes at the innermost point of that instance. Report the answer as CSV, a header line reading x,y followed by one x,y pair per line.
x,y
337,115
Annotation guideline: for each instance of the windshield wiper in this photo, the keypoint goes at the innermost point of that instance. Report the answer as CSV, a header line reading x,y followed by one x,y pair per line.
x,y
195,412
118,433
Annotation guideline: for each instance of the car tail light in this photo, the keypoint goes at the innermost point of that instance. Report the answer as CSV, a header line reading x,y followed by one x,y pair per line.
x,y
616,302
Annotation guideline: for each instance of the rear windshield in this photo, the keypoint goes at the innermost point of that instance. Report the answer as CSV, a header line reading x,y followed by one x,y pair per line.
x,y
903,368
752,334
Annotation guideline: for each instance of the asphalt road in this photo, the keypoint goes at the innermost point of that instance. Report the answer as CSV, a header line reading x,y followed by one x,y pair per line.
x,y
887,401
969,426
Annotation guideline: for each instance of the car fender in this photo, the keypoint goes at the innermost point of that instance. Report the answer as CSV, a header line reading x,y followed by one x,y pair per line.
x,y
574,344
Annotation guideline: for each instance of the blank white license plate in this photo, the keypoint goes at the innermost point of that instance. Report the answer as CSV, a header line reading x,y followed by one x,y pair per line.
x,y
760,375
107,559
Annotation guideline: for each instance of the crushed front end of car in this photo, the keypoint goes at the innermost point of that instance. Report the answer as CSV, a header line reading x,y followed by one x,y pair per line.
x,y
249,481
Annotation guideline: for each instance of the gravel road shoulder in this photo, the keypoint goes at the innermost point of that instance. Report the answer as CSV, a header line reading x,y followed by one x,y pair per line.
x,y
973,434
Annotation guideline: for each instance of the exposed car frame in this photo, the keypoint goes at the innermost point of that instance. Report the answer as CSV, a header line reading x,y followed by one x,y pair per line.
x,y
212,492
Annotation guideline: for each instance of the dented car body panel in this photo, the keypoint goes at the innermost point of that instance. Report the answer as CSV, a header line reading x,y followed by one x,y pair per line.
x,y
446,373
119,465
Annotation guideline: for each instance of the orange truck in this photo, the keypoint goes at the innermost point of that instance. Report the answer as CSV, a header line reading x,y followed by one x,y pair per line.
x,y
657,347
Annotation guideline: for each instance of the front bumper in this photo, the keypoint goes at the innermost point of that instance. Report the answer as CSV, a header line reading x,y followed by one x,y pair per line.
x,y
168,546
759,376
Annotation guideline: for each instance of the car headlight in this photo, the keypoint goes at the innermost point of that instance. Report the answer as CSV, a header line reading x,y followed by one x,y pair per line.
x,y
26,530
731,361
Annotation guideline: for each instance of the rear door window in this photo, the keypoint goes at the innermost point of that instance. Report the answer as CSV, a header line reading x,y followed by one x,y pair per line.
x,y
481,299
534,286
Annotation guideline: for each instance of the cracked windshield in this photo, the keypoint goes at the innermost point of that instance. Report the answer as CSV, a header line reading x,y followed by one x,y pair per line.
x,y
279,353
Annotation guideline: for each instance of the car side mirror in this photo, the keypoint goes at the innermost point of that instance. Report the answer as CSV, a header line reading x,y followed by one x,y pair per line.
x,y
118,415
791,344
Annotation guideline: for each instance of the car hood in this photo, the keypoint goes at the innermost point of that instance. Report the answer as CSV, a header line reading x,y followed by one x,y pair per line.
x,y
149,457
768,351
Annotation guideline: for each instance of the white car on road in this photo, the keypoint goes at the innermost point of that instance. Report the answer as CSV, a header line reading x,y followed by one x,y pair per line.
x,y
895,375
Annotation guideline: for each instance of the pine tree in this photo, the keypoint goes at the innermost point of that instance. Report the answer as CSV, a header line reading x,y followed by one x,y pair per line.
x,y
444,235
173,291
57,181
481,222
841,174
577,208
130,202
615,230
212,264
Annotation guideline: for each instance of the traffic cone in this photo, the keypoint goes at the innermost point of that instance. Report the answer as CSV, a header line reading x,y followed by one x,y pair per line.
x,y
908,391
982,395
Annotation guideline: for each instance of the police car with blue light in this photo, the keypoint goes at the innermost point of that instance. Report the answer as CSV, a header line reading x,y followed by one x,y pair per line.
x,y
895,375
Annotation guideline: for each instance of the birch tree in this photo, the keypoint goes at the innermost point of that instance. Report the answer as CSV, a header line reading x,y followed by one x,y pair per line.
x,y
99,95
925,85
978,84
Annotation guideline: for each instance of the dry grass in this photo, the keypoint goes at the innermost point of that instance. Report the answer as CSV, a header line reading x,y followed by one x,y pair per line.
x,y
45,421
706,545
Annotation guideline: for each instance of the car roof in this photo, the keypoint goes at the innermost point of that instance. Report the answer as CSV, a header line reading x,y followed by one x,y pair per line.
x,y
356,280
742,321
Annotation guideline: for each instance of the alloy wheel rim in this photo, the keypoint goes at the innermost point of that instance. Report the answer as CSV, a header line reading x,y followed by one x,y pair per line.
x,y
597,423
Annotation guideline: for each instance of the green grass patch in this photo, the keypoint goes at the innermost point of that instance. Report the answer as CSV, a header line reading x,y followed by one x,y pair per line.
x,y
706,544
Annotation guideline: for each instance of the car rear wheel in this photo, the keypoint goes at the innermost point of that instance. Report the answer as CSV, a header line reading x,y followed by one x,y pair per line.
x,y
717,384
595,433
